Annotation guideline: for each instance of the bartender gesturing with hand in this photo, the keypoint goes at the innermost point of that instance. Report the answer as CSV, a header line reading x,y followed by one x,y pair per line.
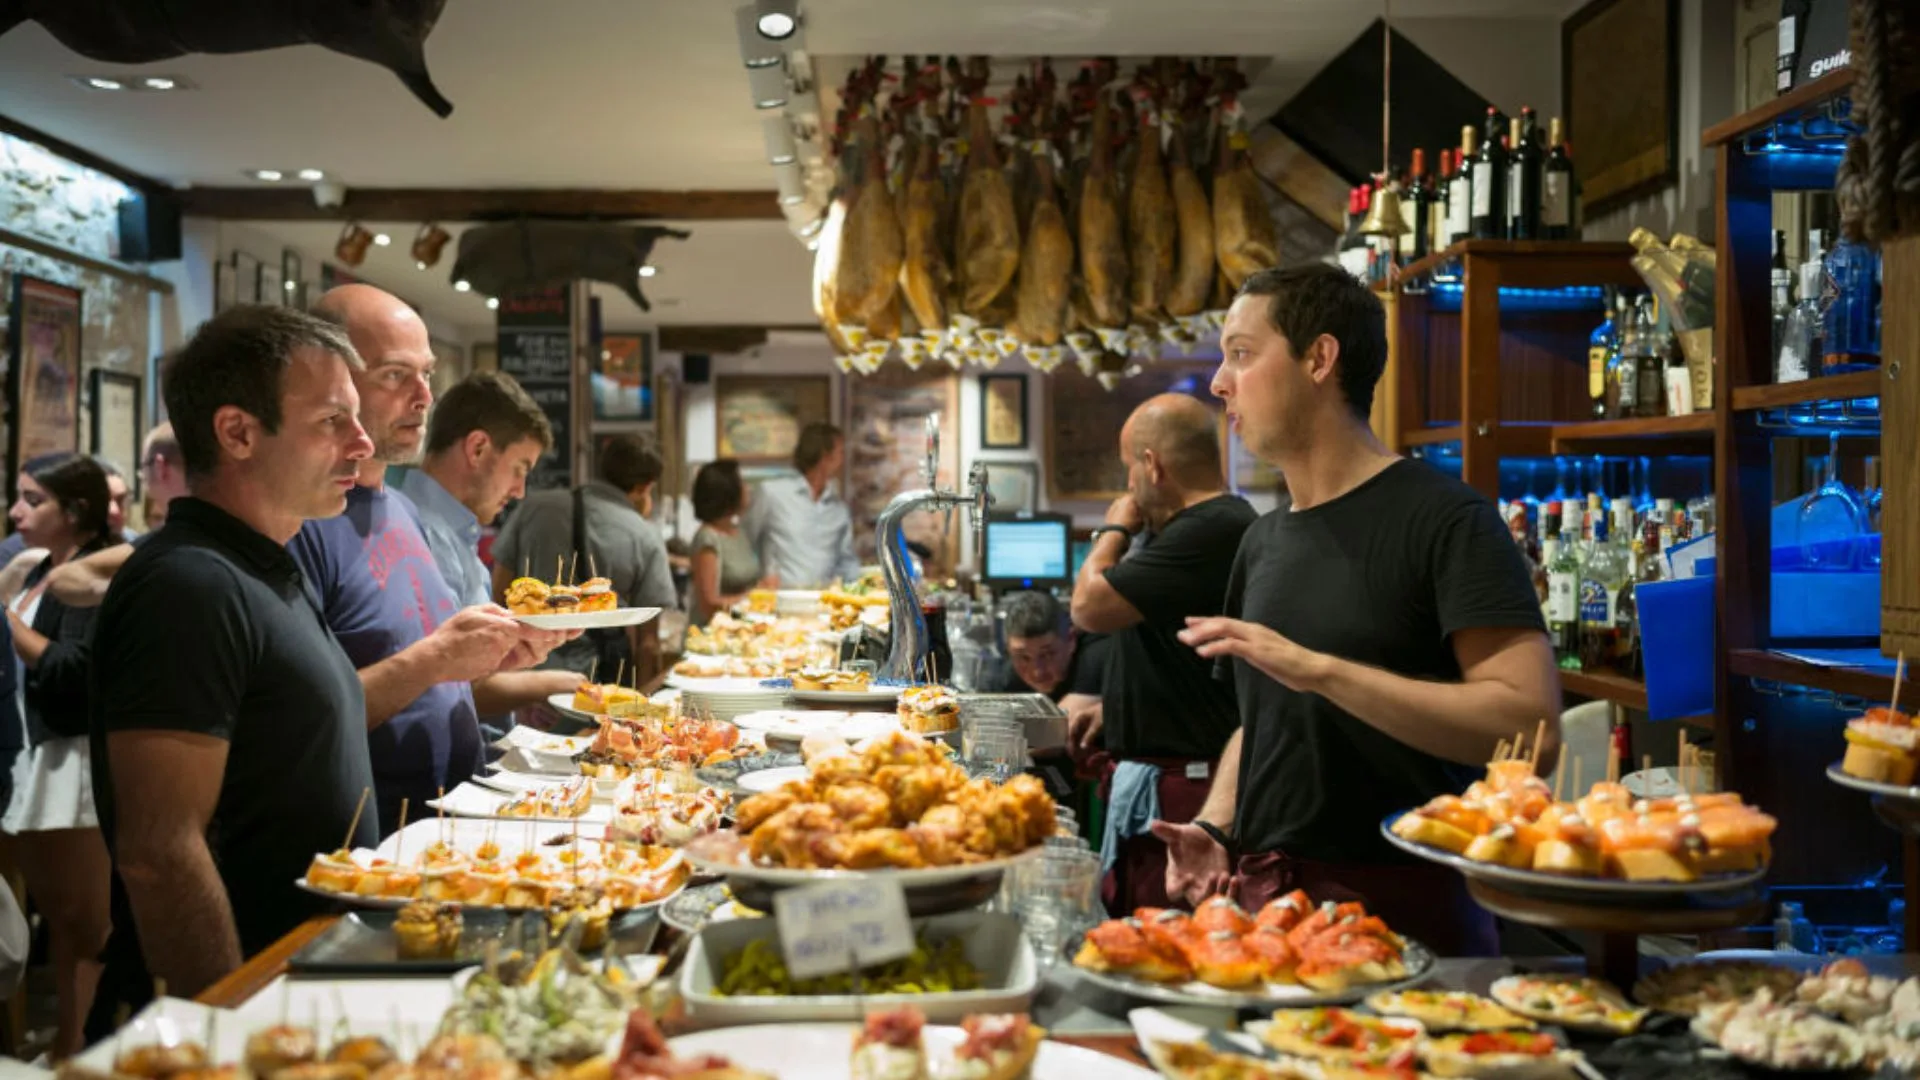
x,y
1380,629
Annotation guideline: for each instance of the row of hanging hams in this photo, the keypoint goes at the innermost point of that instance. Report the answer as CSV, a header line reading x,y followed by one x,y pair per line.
x,y
1101,220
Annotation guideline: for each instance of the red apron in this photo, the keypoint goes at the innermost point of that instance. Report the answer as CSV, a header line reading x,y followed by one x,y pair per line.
x,y
1139,875
1423,901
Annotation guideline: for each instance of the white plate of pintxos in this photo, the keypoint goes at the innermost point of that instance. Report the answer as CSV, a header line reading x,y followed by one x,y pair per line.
x,y
570,799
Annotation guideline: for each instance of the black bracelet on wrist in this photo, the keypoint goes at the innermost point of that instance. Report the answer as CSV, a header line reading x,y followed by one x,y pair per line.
x,y
1219,836
1121,529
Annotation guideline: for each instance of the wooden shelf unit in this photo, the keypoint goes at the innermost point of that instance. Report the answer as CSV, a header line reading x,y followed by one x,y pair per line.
x,y
1761,664
1803,99
1606,686
1853,384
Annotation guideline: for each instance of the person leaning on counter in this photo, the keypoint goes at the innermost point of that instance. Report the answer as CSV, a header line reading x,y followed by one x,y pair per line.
x,y
1381,630
228,728
1163,718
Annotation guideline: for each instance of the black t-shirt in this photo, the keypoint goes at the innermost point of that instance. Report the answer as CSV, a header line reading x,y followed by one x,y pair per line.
x,y
211,628
1084,672
1159,696
1382,575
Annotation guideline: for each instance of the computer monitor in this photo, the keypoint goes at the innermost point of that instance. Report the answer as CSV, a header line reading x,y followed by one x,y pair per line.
x,y
1029,551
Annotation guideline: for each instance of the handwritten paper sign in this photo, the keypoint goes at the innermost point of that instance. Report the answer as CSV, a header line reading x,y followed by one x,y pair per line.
x,y
831,926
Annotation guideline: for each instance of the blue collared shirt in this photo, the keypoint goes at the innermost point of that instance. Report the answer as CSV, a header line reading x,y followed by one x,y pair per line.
x,y
453,535
807,541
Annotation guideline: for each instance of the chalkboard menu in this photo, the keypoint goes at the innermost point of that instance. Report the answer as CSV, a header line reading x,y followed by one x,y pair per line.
x,y
535,334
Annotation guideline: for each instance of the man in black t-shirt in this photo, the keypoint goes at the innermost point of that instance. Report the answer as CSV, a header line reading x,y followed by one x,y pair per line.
x,y
228,729
1163,718
1382,629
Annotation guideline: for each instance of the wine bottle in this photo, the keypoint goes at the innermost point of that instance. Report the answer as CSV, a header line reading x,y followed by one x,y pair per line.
x,y
1420,207
1490,182
1556,186
1460,191
1523,178
1439,202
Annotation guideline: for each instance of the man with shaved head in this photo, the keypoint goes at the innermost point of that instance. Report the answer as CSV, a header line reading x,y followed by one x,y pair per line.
x,y
417,649
1163,719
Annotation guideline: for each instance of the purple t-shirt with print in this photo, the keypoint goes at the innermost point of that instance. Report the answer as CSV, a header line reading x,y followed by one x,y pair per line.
x,y
381,592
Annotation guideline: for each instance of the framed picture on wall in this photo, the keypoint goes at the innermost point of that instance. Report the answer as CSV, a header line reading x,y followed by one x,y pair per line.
x,y
43,373
1084,420
757,418
270,289
293,281
1003,412
1014,485
623,379
113,422
246,272
226,290
1620,85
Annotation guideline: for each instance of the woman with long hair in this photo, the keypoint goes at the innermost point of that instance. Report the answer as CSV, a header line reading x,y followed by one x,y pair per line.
x,y
725,565
62,507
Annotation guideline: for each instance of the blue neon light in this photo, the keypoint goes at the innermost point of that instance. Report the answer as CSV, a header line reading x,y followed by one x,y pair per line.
x,y
1447,296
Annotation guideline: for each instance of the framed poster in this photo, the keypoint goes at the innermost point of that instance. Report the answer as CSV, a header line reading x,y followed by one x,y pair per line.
x,y
114,422
623,379
226,291
1620,85
1003,412
1014,485
43,375
1084,421
887,446
270,289
246,272
758,418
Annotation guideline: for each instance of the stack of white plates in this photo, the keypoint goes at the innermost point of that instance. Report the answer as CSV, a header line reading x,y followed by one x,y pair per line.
x,y
725,699
796,602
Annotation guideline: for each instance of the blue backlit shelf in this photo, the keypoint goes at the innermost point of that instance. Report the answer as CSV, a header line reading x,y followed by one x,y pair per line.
x,y
1448,296
1854,386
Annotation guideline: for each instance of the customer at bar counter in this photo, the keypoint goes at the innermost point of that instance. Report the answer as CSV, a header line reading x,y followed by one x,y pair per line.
x,y
417,649
83,582
603,529
1163,719
1382,631
61,510
724,565
799,524
483,439
227,732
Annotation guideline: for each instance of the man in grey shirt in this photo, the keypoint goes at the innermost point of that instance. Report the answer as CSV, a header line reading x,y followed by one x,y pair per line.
x,y
483,438
799,525
625,547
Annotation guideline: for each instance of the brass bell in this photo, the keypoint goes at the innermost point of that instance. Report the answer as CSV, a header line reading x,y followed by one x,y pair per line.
x,y
1383,215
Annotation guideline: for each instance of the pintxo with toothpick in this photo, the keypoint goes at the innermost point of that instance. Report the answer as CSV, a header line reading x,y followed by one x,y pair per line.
x,y
1516,829
1883,748
563,604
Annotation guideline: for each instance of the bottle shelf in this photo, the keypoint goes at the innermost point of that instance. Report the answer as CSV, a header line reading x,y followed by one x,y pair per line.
x,y
1656,435
1539,264
1605,686
1761,664
1853,384
1596,434
1799,101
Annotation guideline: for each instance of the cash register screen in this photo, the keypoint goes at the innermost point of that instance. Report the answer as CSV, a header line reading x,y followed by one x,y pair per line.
x,y
1029,551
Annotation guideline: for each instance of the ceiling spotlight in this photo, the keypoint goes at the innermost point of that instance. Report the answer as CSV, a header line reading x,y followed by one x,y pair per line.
x,y
792,184
427,244
648,270
158,82
462,285
381,239
311,175
778,134
776,19
269,175
755,50
100,82
769,86
493,303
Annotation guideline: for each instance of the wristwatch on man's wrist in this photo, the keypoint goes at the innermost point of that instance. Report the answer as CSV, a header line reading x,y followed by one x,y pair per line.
x,y
1219,836
1121,529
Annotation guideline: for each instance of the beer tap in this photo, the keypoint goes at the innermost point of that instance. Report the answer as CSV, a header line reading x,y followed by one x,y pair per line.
x,y
910,645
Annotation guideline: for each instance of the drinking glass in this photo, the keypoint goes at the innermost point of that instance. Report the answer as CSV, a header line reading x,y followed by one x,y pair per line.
x,y
999,754
1872,499
1828,513
1055,898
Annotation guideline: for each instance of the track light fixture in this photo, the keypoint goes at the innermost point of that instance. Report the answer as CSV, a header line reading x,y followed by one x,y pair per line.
x,y
756,51
776,20
781,149
769,86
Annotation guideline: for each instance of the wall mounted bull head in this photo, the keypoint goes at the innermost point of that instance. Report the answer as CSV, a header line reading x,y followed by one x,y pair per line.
x,y
497,259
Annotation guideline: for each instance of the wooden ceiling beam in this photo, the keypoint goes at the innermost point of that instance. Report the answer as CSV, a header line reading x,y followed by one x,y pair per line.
x,y
295,203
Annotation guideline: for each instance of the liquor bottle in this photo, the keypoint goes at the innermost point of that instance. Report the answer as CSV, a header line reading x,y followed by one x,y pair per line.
x,y
1420,201
1460,192
1850,340
1542,583
1653,564
1353,253
1683,277
1616,351
1438,202
1678,379
1600,345
1490,182
1650,366
1781,279
1800,341
1600,581
1523,178
1626,370
1556,186
1563,590
1626,621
